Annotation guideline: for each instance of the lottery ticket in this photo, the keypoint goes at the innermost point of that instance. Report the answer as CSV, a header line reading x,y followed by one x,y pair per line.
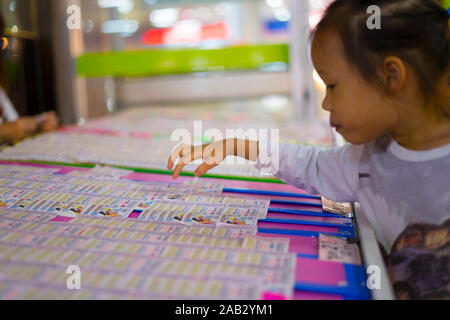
x,y
342,208
339,250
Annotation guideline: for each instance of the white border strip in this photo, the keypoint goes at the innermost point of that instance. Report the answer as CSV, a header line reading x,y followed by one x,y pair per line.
x,y
372,255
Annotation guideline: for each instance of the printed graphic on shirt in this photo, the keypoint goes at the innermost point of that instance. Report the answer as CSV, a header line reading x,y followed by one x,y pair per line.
x,y
419,262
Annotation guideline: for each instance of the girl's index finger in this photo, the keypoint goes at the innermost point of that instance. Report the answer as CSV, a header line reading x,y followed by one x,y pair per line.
x,y
174,155
177,170
183,161
170,161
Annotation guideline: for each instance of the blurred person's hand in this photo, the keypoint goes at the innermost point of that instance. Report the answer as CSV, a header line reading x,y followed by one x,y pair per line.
x,y
17,130
48,121
212,154
26,126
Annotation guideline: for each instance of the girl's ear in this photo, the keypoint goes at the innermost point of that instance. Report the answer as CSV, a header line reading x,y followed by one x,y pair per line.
x,y
394,74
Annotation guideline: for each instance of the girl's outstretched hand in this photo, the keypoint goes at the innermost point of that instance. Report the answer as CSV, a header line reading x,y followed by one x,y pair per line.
x,y
212,154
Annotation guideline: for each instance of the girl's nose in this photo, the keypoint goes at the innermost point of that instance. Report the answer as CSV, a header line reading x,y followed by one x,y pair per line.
x,y
326,104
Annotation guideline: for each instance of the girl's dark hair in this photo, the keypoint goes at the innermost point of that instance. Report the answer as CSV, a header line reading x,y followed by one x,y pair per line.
x,y
417,31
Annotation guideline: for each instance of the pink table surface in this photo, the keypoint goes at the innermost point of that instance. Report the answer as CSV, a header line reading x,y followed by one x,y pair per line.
x,y
63,169
294,206
320,272
306,295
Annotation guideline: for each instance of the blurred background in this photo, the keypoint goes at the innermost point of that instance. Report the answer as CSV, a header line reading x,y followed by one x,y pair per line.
x,y
88,58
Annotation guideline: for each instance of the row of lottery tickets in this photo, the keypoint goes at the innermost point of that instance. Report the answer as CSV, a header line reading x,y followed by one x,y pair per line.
x,y
51,221
139,258
101,192
135,259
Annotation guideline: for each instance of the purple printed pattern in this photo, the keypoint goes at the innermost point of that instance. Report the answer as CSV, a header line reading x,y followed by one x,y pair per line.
x,y
419,262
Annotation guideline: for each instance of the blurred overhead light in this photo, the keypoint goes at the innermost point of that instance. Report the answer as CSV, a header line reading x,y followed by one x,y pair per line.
x,y
185,31
111,3
223,8
282,14
126,7
163,18
120,26
274,3
123,6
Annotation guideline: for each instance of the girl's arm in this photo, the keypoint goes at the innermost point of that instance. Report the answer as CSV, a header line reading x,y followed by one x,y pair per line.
x,y
332,173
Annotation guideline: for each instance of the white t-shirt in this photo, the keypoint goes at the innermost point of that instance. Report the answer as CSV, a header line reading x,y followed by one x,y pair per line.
x,y
7,110
395,186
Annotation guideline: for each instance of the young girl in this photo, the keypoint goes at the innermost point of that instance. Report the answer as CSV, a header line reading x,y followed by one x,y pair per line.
x,y
388,96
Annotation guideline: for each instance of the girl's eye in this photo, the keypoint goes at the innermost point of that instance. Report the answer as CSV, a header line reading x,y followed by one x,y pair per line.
x,y
331,86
